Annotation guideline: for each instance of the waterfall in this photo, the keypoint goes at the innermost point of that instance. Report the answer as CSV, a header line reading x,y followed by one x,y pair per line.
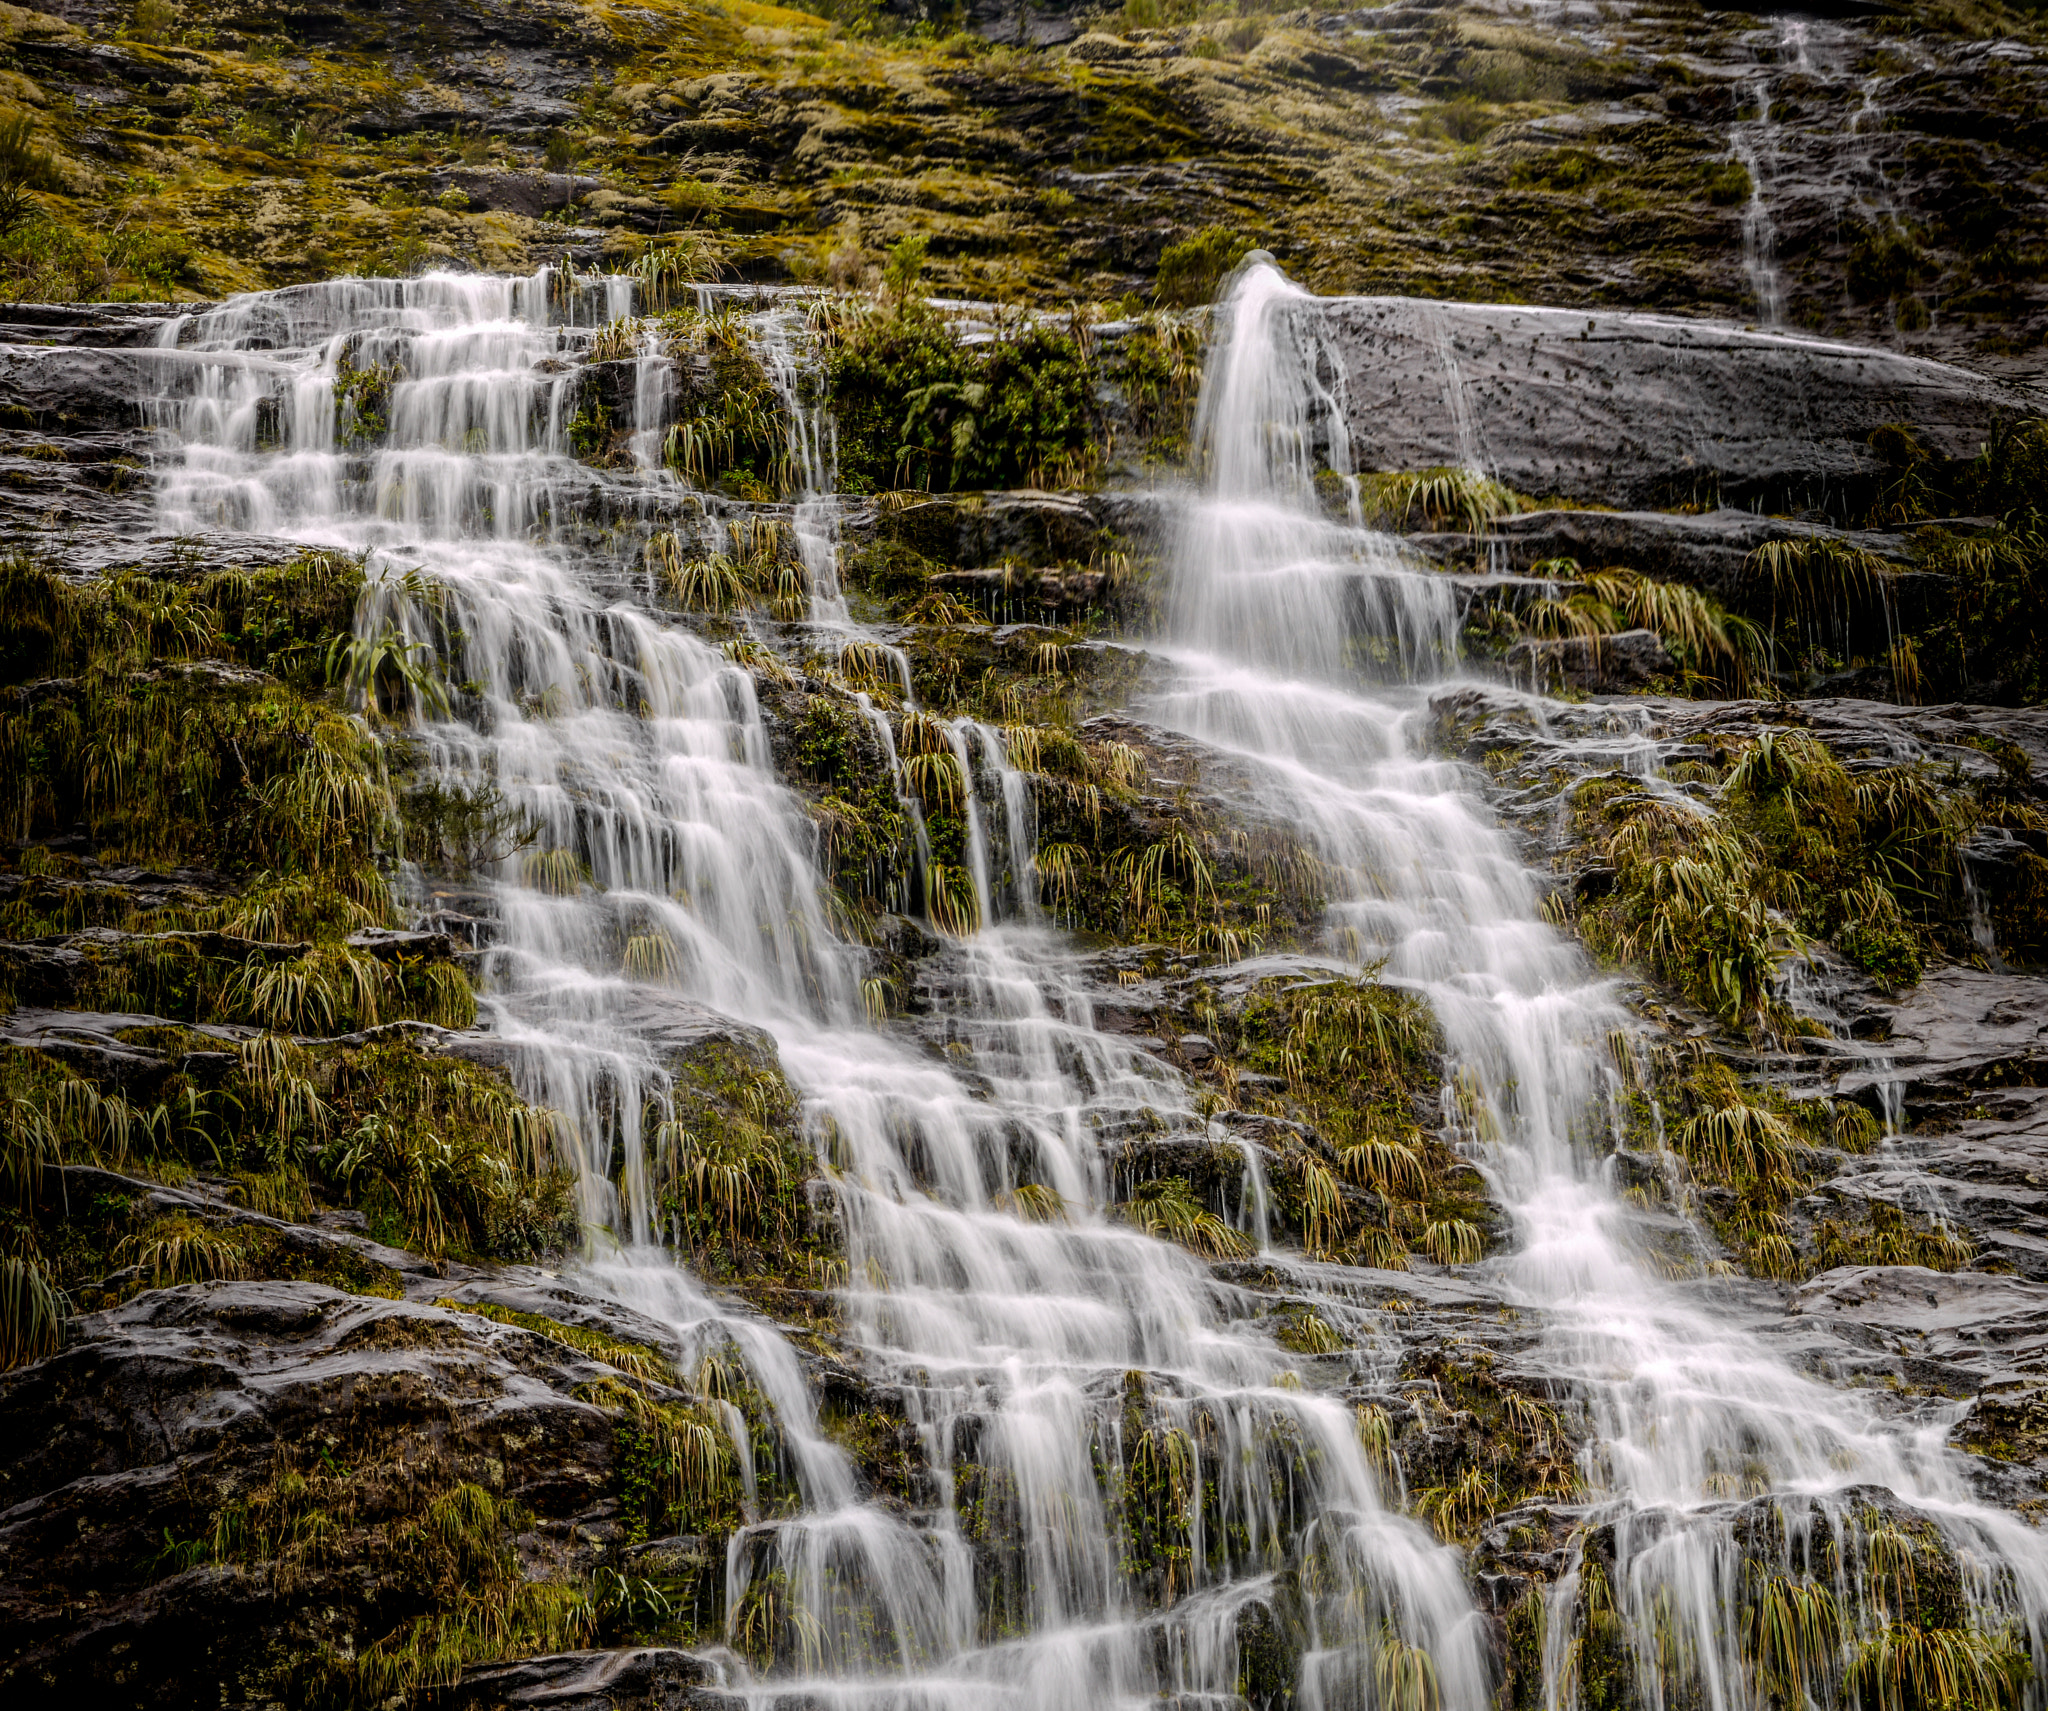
x,y
671,891
1692,1410
1035,1343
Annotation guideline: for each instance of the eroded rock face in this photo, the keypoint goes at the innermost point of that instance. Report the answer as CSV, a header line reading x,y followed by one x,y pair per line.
x,y
1638,410
170,1407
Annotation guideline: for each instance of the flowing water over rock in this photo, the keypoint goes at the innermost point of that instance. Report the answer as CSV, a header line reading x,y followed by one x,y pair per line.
x,y
671,896
1692,1413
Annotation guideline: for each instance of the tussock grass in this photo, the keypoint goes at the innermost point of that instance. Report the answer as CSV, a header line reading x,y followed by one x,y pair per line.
x,y
1436,498
1165,1207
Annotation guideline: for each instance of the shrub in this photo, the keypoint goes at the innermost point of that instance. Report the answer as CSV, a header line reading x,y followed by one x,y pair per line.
x,y
1191,269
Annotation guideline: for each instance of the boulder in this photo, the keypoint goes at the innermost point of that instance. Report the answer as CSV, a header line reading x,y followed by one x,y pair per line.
x,y
1638,411
1628,660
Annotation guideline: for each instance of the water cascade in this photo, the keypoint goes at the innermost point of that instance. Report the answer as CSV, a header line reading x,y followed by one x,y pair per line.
x,y
671,892
1696,1423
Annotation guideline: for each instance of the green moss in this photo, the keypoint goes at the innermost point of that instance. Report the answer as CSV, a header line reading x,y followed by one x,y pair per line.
x,y
1191,269
1558,169
861,824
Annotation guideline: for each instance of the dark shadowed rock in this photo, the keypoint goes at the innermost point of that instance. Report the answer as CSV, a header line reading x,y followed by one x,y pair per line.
x,y
1625,661
163,1409
989,529
644,1678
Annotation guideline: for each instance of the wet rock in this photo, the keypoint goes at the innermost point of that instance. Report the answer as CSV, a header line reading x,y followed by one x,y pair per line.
x,y
388,945
1629,660
103,324
677,1030
45,973
1640,411
2008,1422
1959,1031
644,1678
1993,1325
502,191
164,1407
1959,737
75,390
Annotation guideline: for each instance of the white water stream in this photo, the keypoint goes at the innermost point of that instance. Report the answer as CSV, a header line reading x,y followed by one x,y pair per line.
x,y
675,877
1690,1409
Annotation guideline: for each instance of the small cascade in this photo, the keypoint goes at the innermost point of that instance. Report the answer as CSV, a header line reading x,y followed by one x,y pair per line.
x,y
1696,1420
1754,144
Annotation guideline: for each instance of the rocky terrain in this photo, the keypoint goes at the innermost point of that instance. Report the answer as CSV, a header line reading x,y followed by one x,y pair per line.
x,y
1864,175
1696,358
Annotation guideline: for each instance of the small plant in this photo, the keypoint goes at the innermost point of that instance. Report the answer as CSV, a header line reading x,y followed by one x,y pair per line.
x,y
385,673
1436,498
1191,268
1164,1207
32,1311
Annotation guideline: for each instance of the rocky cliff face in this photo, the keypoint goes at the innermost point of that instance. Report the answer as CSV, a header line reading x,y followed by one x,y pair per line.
x,y
1863,176
329,1367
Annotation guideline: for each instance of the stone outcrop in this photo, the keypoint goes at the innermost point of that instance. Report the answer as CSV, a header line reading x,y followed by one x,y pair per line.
x,y
1639,410
1629,660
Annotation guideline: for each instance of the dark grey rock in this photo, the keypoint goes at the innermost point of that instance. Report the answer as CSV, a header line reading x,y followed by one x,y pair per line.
x,y
1628,660
644,1678
1968,1318
1638,410
73,391
162,1408
45,974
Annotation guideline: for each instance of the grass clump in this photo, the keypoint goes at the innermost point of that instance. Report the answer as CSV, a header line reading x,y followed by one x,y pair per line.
x,y
731,431
1344,1064
174,722
442,1155
730,1164
1717,651
1164,1207
1435,499
1794,849
1192,268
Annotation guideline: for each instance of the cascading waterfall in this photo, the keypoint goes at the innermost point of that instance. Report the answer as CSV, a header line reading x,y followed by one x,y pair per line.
x,y
672,876
1692,1414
